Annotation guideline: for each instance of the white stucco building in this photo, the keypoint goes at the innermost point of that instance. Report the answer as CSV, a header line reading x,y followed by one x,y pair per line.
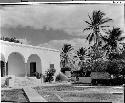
x,y
23,60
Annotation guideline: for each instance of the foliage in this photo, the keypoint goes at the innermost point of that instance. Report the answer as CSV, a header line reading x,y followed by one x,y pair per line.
x,y
65,69
116,67
114,55
99,66
38,75
49,75
13,39
104,56
65,59
123,52
94,53
111,41
96,23
81,52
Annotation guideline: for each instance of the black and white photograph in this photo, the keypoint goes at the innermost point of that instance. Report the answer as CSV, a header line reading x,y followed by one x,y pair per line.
x,y
62,52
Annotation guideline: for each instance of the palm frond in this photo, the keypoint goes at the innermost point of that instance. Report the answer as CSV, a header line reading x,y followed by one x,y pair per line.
x,y
88,36
104,38
96,21
86,29
88,23
105,20
104,26
115,33
105,47
91,37
90,18
121,38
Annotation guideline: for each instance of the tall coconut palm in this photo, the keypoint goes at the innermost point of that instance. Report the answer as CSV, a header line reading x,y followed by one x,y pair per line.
x,y
96,23
65,55
112,40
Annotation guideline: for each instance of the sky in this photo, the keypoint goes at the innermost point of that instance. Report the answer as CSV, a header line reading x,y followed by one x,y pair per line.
x,y
52,25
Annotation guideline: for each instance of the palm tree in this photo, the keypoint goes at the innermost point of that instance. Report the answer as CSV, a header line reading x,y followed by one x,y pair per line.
x,y
65,55
112,41
96,23
81,53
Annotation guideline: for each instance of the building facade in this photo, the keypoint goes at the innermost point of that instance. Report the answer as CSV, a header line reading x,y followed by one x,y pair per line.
x,y
24,60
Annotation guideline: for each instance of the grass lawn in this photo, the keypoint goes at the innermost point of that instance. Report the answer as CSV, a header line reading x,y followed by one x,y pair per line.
x,y
14,95
91,97
79,94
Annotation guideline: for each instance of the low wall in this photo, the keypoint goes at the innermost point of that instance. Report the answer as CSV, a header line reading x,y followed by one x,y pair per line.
x,y
85,79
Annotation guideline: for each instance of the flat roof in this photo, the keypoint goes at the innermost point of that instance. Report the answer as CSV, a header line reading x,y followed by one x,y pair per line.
x,y
29,46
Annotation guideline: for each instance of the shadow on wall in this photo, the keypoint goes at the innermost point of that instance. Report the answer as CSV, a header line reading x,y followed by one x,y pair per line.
x,y
16,65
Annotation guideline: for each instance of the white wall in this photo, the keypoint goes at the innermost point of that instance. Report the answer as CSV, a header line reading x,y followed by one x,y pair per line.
x,y
51,57
47,56
16,65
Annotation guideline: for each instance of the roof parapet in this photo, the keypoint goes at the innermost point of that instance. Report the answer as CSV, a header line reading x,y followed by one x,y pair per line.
x,y
29,46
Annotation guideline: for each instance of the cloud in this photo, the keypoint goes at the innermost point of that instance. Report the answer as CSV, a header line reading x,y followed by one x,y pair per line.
x,y
58,44
58,17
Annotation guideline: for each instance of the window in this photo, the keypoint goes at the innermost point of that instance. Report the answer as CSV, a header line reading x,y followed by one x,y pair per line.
x,y
51,65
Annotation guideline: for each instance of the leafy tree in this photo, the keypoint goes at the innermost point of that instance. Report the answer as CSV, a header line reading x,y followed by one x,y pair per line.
x,y
95,54
111,42
96,23
116,67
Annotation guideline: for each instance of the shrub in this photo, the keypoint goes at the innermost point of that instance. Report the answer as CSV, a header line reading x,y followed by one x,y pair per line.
x,y
116,67
38,75
65,69
49,75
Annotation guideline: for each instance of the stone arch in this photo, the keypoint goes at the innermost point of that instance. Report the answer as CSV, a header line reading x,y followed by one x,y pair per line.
x,y
33,65
16,64
3,65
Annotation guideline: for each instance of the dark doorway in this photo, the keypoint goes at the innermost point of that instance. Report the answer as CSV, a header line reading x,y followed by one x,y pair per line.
x,y
32,68
2,68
